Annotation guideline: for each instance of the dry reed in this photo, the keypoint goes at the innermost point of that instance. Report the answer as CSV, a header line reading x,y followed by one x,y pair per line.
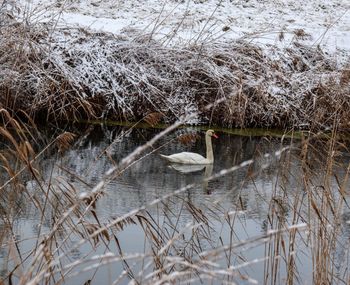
x,y
74,73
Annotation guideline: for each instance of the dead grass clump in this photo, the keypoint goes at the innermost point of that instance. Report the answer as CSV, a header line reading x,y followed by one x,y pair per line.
x,y
300,33
30,79
189,138
327,105
153,118
64,141
345,77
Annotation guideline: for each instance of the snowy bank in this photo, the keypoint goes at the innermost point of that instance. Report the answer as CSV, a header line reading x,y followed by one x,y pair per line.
x,y
232,63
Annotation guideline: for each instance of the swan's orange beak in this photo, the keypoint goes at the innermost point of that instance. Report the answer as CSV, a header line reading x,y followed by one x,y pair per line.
x,y
215,136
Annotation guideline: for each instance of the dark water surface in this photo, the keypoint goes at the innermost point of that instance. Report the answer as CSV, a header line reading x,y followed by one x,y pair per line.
x,y
237,212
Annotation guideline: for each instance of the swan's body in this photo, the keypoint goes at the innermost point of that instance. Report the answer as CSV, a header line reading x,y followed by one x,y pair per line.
x,y
194,158
187,158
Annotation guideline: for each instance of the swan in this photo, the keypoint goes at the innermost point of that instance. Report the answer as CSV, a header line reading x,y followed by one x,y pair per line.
x,y
194,158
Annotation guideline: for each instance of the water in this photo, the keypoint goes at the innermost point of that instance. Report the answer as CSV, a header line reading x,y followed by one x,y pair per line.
x,y
233,214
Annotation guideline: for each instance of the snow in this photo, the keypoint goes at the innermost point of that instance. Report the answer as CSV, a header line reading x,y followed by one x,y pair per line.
x,y
267,23
276,61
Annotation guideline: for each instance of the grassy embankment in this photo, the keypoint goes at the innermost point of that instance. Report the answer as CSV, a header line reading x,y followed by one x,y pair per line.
x,y
74,74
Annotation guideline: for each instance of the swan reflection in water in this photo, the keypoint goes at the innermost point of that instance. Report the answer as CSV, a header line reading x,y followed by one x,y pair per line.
x,y
191,168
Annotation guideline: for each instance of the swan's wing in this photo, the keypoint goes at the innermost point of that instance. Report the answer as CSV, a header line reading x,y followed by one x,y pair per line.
x,y
186,158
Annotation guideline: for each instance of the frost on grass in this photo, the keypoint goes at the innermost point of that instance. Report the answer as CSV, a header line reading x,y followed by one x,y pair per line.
x,y
75,73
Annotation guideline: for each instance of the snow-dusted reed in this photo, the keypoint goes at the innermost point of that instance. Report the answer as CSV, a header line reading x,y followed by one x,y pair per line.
x,y
303,217
76,73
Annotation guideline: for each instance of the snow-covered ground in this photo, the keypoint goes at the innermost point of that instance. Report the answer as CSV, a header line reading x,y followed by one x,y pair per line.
x,y
175,22
269,63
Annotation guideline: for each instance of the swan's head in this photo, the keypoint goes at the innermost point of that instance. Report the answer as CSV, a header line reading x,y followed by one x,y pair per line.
x,y
211,133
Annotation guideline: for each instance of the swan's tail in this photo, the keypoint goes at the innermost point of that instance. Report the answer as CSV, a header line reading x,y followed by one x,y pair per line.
x,y
164,156
169,158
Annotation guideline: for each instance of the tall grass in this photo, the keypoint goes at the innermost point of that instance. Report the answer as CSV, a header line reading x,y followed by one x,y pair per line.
x,y
305,216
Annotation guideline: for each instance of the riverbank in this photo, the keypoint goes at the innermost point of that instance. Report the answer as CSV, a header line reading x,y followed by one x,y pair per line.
x,y
283,76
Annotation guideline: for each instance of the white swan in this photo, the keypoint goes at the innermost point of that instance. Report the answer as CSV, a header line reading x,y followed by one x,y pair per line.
x,y
194,158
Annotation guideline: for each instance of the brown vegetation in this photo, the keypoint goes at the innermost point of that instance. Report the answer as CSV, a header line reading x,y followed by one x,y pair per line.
x,y
76,74
304,218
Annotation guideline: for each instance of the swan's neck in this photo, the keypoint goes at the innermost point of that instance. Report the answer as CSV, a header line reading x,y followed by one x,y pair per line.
x,y
210,155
